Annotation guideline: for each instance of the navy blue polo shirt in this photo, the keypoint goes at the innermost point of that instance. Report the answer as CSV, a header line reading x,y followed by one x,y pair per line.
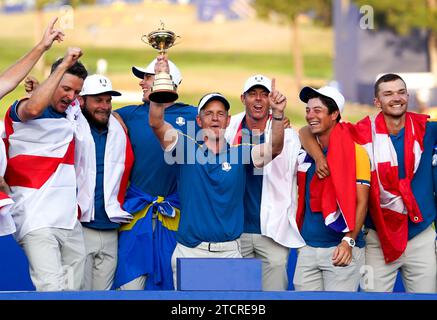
x,y
254,185
48,113
211,189
101,220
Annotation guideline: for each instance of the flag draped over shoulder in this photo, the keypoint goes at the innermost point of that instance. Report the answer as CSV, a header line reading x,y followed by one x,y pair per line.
x,y
392,201
118,161
279,188
335,195
7,224
40,165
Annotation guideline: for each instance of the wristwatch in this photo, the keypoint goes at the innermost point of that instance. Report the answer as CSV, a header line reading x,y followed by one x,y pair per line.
x,y
350,241
279,118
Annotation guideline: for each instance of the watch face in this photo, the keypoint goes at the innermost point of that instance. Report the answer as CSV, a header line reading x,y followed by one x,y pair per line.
x,y
352,241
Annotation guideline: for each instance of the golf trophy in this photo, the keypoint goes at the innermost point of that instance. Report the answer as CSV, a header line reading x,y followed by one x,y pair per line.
x,y
163,88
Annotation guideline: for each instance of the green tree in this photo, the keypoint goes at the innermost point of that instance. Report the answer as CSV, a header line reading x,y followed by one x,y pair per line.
x,y
404,16
287,11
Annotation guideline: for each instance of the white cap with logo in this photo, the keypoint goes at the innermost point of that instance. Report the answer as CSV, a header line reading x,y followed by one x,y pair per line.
x,y
211,97
98,84
257,80
325,91
150,69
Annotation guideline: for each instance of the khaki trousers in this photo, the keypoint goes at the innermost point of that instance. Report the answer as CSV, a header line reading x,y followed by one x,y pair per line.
x,y
274,258
417,264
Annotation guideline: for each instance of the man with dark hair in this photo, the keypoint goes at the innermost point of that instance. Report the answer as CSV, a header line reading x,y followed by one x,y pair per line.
x,y
105,181
41,133
9,80
211,174
399,229
147,242
270,204
331,211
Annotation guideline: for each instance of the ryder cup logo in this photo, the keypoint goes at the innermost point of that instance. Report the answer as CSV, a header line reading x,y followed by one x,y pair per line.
x,y
180,121
103,82
226,166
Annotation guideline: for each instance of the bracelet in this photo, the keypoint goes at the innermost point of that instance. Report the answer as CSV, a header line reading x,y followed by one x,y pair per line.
x,y
277,117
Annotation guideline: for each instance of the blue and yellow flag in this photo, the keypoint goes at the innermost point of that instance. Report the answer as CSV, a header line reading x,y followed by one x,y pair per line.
x,y
142,251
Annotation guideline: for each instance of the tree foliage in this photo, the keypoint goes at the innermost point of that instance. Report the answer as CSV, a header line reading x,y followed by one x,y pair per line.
x,y
286,11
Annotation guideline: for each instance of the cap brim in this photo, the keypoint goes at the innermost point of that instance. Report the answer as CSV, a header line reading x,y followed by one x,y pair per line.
x,y
217,98
257,85
111,93
305,93
139,72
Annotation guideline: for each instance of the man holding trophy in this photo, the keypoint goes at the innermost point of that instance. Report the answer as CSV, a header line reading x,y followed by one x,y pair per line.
x,y
147,243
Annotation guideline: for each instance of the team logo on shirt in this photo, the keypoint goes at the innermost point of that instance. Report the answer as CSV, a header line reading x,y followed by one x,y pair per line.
x,y
180,121
226,166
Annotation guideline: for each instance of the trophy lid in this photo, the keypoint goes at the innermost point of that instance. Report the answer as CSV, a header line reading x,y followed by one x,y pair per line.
x,y
161,39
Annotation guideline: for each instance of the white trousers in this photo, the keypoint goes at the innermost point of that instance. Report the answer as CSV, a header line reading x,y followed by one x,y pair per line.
x,y
56,258
101,258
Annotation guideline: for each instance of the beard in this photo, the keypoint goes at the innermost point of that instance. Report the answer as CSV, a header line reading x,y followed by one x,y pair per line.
x,y
93,121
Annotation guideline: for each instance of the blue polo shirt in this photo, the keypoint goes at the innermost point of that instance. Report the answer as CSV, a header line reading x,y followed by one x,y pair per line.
x,y
314,231
422,183
150,173
101,220
254,185
48,113
211,189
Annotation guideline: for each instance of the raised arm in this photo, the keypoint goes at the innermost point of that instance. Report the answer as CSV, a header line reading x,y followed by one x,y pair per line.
x,y
40,99
164,131
311,146
10,78
264,153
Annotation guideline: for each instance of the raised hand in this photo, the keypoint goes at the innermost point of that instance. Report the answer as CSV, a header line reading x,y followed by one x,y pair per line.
x,y
71,56
277,100
161,64
51,34
30,84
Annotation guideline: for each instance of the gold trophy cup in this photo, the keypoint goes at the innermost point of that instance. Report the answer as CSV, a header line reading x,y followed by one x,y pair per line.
x,y
163,89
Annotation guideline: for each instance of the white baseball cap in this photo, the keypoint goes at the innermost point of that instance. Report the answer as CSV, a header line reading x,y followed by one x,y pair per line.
x,y
325,91
257,80
211,97
98,84
150,69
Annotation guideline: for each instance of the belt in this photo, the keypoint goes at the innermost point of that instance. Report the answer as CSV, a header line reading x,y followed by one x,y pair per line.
x,y
219,246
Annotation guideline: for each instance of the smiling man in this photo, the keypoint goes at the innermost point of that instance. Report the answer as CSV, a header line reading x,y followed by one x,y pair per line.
x,y
40,133
332,210
212,174
146,244
400,145
106,181
270,204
